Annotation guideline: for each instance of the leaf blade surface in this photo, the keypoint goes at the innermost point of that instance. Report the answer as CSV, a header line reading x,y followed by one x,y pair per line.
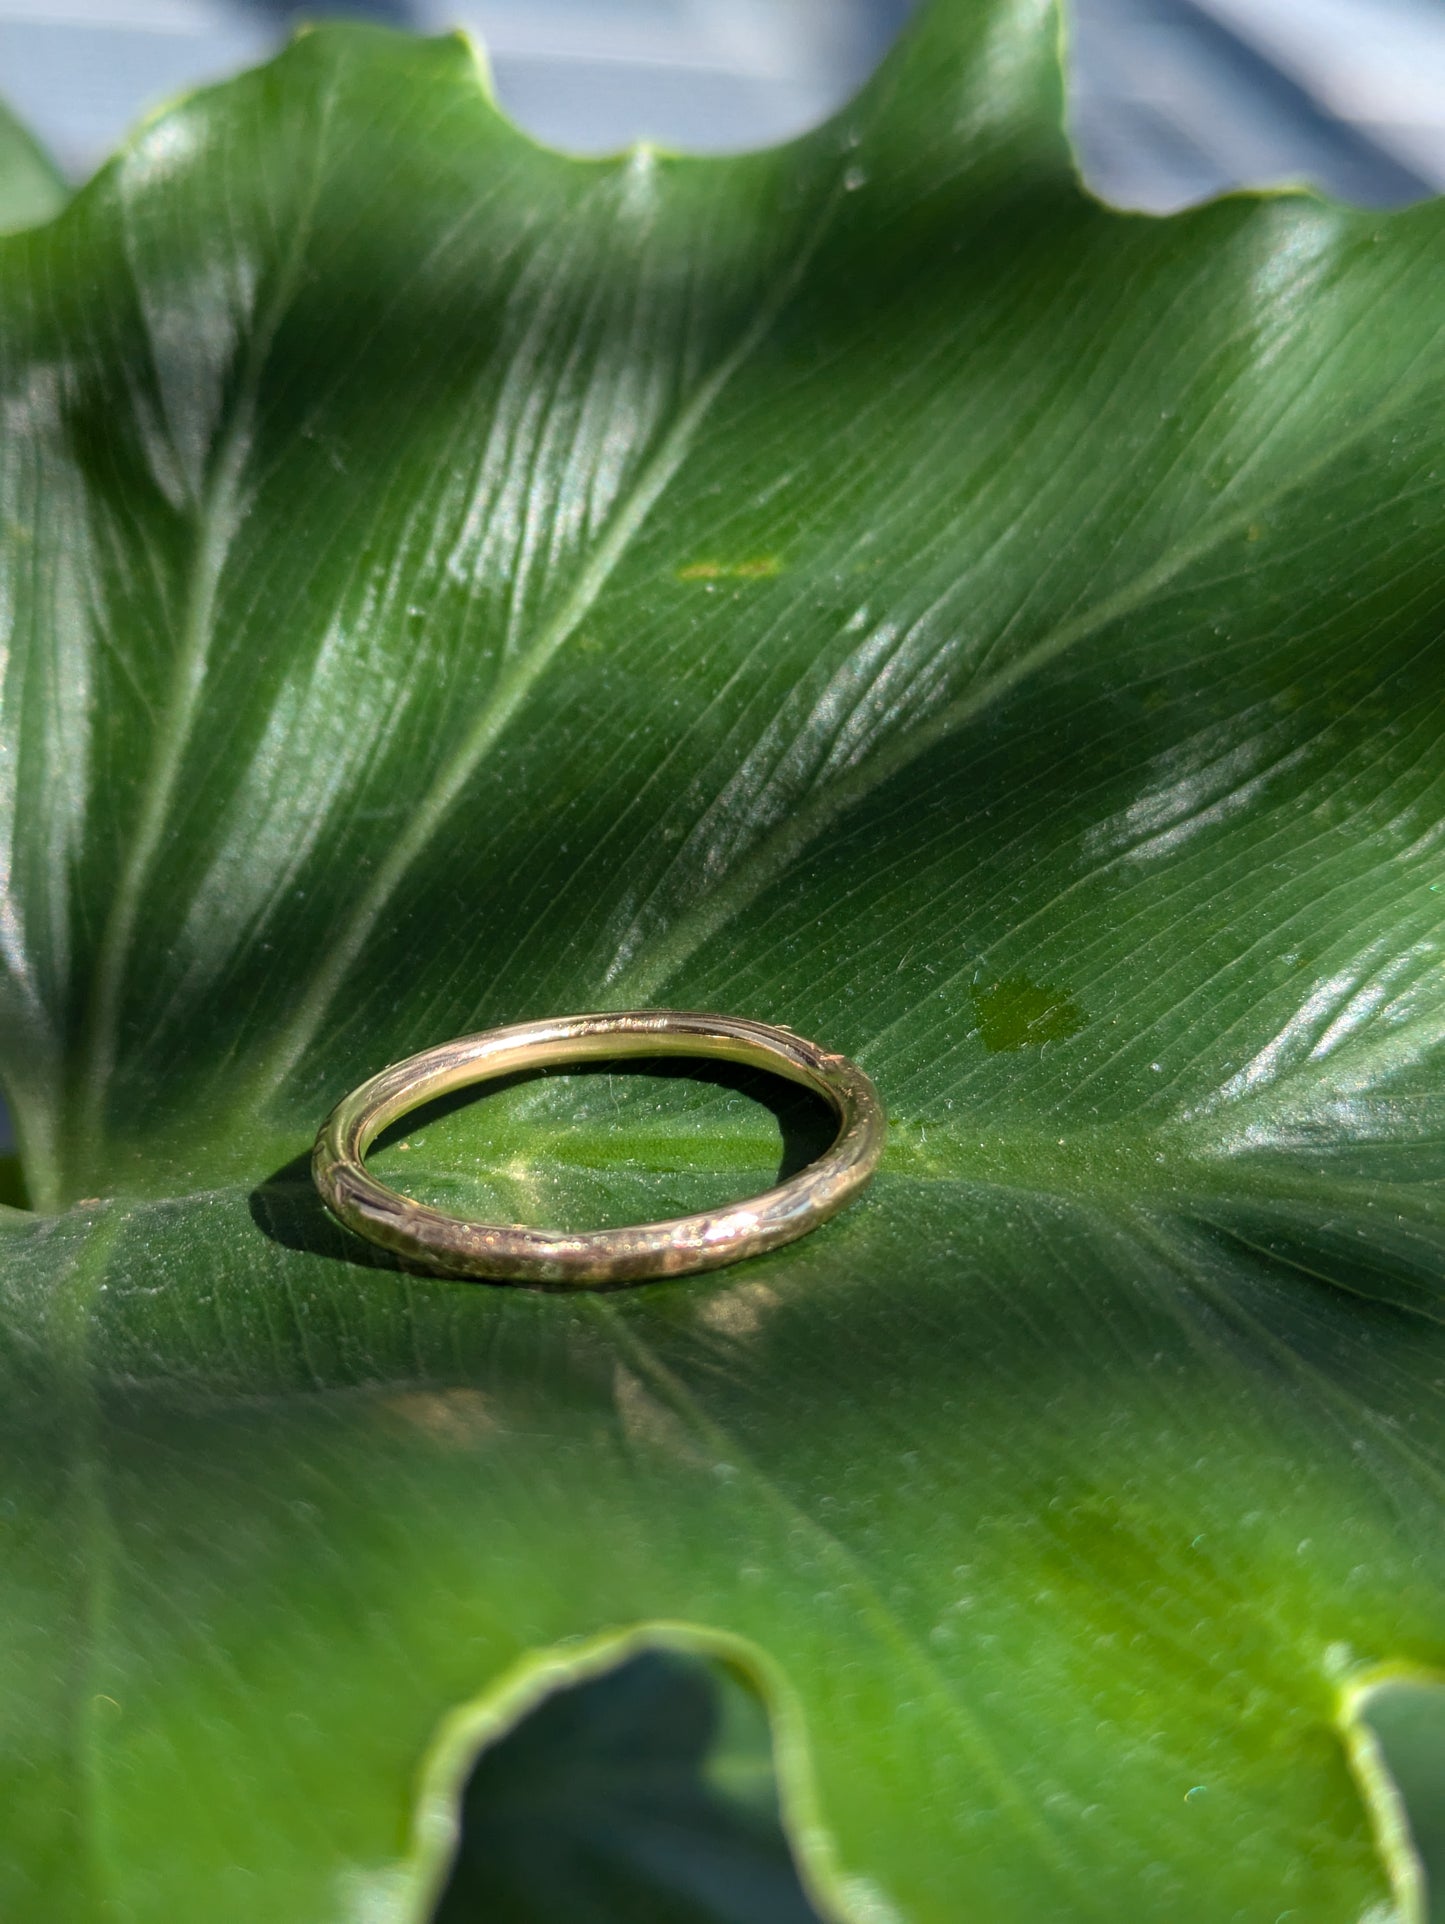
x,y
866,585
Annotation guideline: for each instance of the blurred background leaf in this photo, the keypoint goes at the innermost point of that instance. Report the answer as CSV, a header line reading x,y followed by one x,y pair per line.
x,y
1172,100
31,188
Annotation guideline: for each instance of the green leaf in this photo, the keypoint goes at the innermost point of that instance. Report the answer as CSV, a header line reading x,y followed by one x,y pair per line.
x,y
866,585
32,188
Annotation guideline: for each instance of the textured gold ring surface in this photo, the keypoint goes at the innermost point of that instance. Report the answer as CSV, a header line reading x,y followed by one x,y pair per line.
x,y
509,1253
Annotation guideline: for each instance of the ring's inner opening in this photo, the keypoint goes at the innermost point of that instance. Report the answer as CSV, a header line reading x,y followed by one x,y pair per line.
x,y
601,1145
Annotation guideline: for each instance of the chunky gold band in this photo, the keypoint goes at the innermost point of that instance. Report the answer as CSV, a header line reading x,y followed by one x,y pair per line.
x,y
503,1252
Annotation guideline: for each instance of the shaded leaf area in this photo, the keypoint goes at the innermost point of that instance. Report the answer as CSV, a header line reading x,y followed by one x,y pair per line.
x,y
31,186
866,585
643,1796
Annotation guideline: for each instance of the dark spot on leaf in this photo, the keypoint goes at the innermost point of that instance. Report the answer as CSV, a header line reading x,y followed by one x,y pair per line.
x,y
1015,1012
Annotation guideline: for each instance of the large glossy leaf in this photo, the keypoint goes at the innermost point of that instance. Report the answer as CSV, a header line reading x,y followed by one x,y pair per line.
x,y
869,586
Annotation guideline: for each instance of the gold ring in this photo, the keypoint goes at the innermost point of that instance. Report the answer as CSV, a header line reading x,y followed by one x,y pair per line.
x,y
505,1252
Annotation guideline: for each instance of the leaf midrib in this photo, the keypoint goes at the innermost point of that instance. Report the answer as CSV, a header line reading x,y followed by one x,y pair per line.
x,y
516,682
217,515
1117,1164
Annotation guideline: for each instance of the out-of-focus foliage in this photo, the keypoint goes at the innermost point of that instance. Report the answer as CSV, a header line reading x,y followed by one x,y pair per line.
x,y
31,188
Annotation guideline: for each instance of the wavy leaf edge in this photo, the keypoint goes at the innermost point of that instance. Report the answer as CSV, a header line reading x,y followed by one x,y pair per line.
x,y
482,1721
